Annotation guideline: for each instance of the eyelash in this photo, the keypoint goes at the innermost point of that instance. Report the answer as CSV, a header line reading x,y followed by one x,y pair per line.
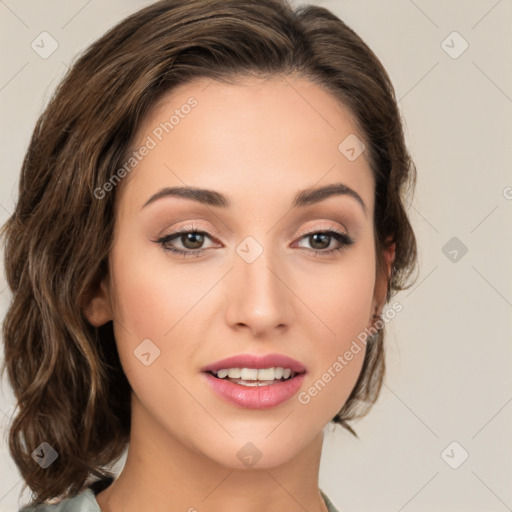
x,y
343,239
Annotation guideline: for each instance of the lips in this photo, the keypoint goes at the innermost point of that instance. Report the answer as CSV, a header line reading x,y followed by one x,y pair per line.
x,y
256,361
250,394
265,397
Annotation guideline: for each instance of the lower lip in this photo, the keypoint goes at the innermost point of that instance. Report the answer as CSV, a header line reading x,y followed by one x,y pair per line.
x,y
255,397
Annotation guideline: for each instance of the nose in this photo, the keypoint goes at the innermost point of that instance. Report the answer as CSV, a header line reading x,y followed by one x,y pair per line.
x,y
258,296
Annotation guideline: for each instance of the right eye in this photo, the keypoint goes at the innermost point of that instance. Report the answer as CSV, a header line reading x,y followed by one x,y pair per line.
x,y
191,240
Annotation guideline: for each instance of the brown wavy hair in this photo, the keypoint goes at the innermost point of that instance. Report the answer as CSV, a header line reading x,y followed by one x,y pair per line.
x,y
70,388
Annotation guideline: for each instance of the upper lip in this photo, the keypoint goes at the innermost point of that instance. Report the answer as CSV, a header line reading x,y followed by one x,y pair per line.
x,y
256,361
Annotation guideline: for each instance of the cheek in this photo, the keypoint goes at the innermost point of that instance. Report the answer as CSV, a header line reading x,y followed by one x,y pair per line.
x,y
150,311
341,294
342,299
154,335
151,297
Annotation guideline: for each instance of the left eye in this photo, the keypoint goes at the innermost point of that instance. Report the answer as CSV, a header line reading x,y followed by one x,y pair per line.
x,y
324,239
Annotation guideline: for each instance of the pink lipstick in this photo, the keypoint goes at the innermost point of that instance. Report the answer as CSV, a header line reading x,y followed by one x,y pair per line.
x,y
255,382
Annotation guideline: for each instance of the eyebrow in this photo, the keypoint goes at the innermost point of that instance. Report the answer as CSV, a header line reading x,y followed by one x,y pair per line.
x,y
303,198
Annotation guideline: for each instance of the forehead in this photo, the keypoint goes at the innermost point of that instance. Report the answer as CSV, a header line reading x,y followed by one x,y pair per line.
x,y
276,135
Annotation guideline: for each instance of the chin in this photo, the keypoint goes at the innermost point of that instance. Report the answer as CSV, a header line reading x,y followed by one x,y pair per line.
x,y
259,450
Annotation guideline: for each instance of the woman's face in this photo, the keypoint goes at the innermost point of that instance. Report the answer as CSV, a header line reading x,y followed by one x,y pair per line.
x,y
263,280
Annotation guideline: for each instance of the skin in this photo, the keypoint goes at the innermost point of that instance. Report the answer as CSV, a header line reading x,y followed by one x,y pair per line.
x,y
258,143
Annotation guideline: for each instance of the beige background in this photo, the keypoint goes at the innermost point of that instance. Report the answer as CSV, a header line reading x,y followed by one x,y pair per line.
x,y
450,348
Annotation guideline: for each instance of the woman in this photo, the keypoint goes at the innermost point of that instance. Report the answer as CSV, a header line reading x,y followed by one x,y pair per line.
x,y
210,222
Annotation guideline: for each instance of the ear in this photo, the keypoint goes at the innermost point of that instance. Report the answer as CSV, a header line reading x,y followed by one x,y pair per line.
x,y
96,306
382,280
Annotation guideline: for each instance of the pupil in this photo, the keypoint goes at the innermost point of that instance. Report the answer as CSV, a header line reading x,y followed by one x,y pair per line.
x,y
325,236
195,238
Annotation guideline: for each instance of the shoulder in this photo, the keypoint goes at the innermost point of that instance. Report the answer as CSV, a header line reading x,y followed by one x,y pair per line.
x,y
328,502
82,502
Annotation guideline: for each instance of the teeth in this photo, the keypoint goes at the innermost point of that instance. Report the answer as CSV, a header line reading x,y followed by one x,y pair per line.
x,y
255,374
254,384
234,373
266,374
249,374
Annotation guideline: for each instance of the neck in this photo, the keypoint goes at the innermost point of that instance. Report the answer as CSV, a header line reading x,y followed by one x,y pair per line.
x,y
162,474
